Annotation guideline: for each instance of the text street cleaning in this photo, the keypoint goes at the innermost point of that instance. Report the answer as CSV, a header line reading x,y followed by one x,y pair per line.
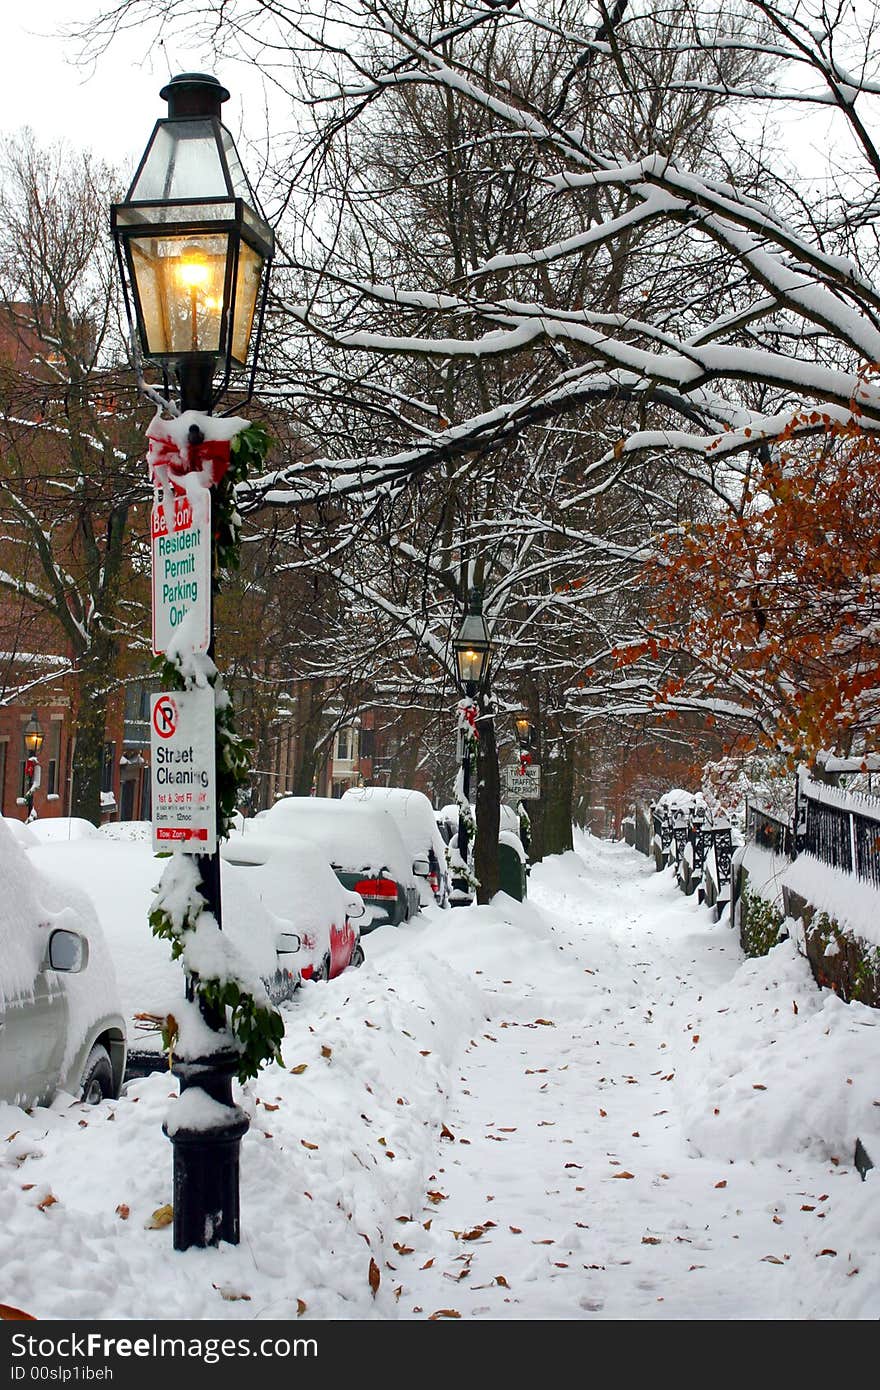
x,y
183,766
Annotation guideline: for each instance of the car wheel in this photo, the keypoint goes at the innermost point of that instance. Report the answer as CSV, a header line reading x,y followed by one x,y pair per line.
x,y
357,955
97,1078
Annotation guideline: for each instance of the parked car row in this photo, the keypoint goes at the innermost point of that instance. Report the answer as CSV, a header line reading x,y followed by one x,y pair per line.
x,y
82,979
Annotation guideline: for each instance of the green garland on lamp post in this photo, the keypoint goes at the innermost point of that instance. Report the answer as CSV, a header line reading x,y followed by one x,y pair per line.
x,y
256,1026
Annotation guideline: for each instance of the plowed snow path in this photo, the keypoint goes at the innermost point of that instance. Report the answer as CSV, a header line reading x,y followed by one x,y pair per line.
x,y
566,1187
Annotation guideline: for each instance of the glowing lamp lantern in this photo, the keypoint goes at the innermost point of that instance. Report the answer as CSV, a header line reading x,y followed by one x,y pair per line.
x,y
193,243
473,646
523,732
33,737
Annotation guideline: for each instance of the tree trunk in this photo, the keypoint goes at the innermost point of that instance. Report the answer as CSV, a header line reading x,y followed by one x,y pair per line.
x,y
558,788
488,806
91,732
308,734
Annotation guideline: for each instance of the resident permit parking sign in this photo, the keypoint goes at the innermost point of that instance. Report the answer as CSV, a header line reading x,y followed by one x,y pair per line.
x,y
181,550
182,769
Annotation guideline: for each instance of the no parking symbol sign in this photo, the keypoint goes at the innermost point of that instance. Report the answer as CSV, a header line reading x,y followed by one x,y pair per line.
x,y
183,771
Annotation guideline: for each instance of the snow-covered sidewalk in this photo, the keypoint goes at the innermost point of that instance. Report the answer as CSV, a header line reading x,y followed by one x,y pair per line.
x,y
584,1106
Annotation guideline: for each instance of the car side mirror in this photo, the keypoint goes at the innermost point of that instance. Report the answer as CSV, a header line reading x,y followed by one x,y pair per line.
x,y
68,951
421,867
287,943
356,911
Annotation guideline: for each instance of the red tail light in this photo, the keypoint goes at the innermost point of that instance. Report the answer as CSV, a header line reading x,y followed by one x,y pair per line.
x,y
434,880
381,888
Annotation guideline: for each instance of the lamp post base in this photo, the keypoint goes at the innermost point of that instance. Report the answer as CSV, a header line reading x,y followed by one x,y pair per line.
x,y
206,1155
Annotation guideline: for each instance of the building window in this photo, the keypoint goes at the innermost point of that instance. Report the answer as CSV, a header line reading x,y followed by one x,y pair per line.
x,y
346,745
107,767
54,761
136,732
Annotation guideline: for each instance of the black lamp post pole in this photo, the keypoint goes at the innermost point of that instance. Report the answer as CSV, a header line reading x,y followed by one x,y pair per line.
x,y
206,1161
466,762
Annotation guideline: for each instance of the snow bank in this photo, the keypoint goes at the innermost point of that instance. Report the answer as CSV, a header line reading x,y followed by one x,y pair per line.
x,y
853,903
765,870
771,1065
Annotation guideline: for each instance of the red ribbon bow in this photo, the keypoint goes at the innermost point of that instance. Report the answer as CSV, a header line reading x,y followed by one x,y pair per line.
x,y
468,711
210,457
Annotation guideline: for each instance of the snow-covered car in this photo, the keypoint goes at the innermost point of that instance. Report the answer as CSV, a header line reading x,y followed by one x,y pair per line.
x,y
128,830
363,847
61,1023
48,829
294,881
121,877
20,831
414,817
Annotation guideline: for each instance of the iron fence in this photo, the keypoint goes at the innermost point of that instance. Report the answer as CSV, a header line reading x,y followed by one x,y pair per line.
x,y
840,829
769,830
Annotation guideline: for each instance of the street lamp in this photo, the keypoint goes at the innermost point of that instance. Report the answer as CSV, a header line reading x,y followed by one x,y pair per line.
x,y
33,737
194,250
473,654
473,647
523,734
33,742
193,245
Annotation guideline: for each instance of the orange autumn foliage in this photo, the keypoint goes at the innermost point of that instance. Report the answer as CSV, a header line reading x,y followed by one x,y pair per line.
x,y
776,608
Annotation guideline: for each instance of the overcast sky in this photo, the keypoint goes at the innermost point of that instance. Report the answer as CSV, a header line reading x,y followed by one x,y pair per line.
x,y
109,107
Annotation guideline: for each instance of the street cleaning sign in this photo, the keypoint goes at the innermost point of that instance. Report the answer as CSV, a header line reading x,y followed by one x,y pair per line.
x,y
183,771
522,782
181,549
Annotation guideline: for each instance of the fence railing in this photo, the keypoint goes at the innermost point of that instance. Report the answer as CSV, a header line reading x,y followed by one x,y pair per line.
x,y
837,827
840,828
769,829
687,840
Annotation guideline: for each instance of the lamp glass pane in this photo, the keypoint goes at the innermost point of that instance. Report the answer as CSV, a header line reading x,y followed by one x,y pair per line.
x,y
135,215
240,185
183,161
179,283
247,285
470,664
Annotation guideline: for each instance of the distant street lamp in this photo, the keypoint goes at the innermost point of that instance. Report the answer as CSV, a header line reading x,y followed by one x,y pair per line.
x,y
194,250
523,734
473,654
473,647
33,742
